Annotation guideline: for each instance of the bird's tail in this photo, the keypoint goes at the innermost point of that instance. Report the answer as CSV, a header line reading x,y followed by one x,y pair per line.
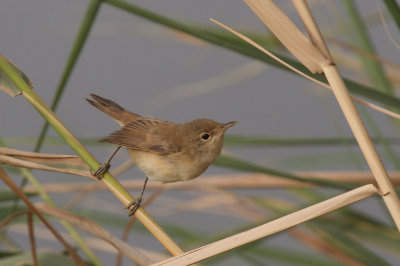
x,y
117,112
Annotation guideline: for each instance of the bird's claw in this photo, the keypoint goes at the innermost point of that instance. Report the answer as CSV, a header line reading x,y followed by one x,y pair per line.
x,y
99,173
134,206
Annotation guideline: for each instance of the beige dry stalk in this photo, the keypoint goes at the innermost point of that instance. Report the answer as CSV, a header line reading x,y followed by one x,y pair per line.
x,y
293,39
237,181
356,124
48,162
272,227
288,34
31,233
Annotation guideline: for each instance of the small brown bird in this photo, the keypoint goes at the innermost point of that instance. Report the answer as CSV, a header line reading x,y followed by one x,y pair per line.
x,y
164,151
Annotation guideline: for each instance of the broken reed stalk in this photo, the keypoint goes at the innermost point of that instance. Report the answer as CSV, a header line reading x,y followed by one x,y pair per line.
x,y
315,56
113,185
272,227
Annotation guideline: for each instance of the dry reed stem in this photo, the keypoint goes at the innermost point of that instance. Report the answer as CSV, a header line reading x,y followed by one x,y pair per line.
x,y
31,233
277,22
248,212
292,38
8,160
272,227
10,183
96,230
244,208
355,122
236,181
367,147
43,161
36,156
313,32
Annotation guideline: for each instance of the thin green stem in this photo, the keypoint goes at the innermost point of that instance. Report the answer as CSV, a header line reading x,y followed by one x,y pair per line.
x,y
361,38
394,10
243,165
80,41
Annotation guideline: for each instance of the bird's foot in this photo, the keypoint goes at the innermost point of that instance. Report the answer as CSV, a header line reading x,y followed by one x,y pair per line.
x,y
99,173
134,206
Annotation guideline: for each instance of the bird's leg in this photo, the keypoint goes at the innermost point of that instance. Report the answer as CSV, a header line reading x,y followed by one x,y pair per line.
x,y
134,205
104,167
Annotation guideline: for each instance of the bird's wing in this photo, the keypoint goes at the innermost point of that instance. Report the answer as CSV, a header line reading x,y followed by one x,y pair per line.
x,y
145,134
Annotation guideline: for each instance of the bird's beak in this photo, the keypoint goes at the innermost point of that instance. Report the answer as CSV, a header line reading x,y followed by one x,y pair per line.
x,y
228,125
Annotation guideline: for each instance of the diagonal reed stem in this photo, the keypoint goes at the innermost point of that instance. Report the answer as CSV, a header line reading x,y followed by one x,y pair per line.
x,y
80,40
113,185
271,227
394,10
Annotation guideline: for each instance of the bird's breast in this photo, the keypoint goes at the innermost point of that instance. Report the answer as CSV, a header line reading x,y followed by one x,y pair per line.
x,y
169,168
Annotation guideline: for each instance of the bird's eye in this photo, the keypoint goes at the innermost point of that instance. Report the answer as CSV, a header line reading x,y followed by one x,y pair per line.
x,y
205,136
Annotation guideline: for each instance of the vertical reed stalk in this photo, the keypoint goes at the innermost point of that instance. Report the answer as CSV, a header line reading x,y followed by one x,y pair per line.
x,y
352,116
364,141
